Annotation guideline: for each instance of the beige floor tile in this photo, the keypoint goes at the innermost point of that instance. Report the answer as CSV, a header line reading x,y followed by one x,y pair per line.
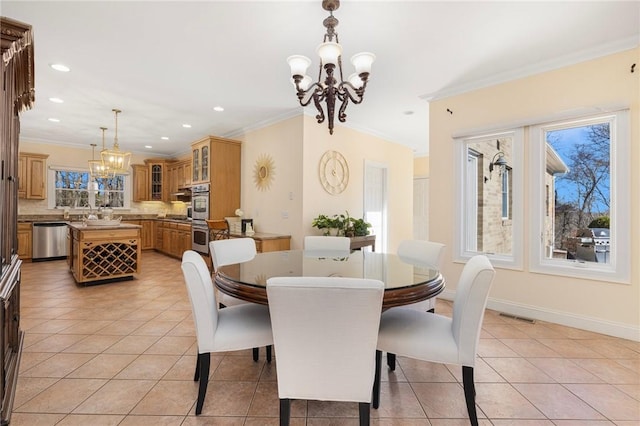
x,y
632,390
132,345
482,372
457,422
503,401
422,371
584,423
608,400
530,348
155,327
400,422
94,344
332,421
494,348
238,368
397,400
266,403
151,367
62,397
556,402
171,345
54,343
58,365
93,420
39,419
53,326
86,327
570,348
30,359
121,327
116,397
610,349
504,331
153,421
102,366
518,370
28,387
169,398
564,370
442,400
520,422
225,398
610,371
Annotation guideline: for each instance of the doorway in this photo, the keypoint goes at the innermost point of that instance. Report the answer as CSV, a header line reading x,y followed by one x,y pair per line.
x,y
375,201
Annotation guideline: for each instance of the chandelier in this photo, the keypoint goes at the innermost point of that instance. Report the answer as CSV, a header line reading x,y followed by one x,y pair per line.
x,y
97,168
330,89
114,160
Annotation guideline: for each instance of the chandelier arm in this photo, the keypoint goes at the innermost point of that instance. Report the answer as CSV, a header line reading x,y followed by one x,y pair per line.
x,y
345,86
341,112
316,101
315,88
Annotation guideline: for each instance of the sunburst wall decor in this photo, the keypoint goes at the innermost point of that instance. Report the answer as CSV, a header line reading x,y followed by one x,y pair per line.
x,y
263,172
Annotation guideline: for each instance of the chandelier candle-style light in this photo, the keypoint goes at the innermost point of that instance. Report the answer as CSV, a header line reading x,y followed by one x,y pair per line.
x,y
116,161
97,168
330,89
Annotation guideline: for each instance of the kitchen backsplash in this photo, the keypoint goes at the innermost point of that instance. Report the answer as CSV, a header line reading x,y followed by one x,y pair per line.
x,y
39,207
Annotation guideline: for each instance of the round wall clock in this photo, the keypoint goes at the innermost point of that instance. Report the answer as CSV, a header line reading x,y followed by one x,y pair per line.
x,y
334,172
263,172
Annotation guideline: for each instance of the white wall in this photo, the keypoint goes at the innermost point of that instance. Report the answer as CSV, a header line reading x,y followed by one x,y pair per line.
x,y
595,305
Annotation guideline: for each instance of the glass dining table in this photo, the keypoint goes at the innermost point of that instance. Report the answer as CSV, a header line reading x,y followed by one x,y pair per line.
x,y
405,283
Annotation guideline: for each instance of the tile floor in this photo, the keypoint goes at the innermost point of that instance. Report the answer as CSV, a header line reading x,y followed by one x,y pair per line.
x,y
124,354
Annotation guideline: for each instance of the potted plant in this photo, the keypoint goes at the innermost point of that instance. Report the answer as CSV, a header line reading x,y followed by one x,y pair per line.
x,y
344,224
323,223
360,227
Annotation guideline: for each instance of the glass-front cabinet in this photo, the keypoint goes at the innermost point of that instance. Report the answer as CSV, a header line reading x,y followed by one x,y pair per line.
x,y
200,161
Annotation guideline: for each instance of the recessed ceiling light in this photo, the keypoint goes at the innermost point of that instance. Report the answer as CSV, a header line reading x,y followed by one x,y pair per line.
x,y
164,138
186,126
408,113
218,108
56,100
55,120
148,146
60,67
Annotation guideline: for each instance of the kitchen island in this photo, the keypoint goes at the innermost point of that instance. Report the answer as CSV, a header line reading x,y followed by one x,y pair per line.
x,y
100,253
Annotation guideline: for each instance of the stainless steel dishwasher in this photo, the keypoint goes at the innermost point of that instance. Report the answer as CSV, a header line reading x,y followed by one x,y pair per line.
x,y
50,240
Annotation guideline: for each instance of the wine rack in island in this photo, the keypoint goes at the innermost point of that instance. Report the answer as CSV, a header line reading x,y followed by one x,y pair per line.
x,y
99,253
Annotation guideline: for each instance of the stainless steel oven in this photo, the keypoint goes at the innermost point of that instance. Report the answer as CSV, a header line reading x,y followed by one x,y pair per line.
x,y
200,202
200,236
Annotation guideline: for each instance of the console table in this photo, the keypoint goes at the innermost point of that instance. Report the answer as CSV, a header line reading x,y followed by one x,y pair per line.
x,y
359,242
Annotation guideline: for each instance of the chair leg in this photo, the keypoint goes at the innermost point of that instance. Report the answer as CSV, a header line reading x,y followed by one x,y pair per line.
x,y
204,361
376,380
470,394
432,310
196,376
285,411
269,353
365,413
391,361
256,353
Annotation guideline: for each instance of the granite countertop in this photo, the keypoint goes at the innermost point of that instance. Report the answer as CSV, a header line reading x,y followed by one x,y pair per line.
x,y
77,218
82,227
260,236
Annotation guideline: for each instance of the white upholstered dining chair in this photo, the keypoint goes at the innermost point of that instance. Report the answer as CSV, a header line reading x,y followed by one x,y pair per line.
x,y
325,332
436,338
229,252
229,329
422,253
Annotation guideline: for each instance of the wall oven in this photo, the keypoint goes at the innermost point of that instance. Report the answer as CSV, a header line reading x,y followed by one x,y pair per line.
x,y
200,236
200,202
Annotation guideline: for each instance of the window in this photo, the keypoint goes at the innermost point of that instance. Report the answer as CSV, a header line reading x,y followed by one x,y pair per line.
x,y
489,210
75,189
581,221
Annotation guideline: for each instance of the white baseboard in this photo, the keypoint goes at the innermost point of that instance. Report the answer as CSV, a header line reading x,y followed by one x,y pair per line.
x,y
568,319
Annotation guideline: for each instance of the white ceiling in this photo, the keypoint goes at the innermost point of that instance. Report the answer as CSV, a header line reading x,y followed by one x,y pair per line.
x,y
168,63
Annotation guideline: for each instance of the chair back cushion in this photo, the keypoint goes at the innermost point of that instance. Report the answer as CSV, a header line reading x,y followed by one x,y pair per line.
x,y
202,297
421,252
469,305
315,242
325,332
234,250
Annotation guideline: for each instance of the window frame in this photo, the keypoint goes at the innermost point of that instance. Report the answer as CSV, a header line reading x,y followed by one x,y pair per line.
x,y
51,188
618,269
461,253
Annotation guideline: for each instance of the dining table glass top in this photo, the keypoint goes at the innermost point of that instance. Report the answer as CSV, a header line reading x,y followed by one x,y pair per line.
x,y
386,267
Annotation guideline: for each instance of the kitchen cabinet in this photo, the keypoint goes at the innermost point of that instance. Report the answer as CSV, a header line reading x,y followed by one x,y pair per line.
x,y
179,176
25,238
141,191
147,233
32,176
175,237
217,161
150,181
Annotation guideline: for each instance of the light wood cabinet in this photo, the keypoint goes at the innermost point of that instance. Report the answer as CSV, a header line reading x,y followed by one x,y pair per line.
x,y
151,181
268,242
25,241
175,238
141,191
32,176
147,233
179,175
217,161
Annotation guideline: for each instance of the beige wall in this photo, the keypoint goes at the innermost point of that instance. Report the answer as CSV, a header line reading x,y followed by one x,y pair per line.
x,y
602,83
421,167
296,146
